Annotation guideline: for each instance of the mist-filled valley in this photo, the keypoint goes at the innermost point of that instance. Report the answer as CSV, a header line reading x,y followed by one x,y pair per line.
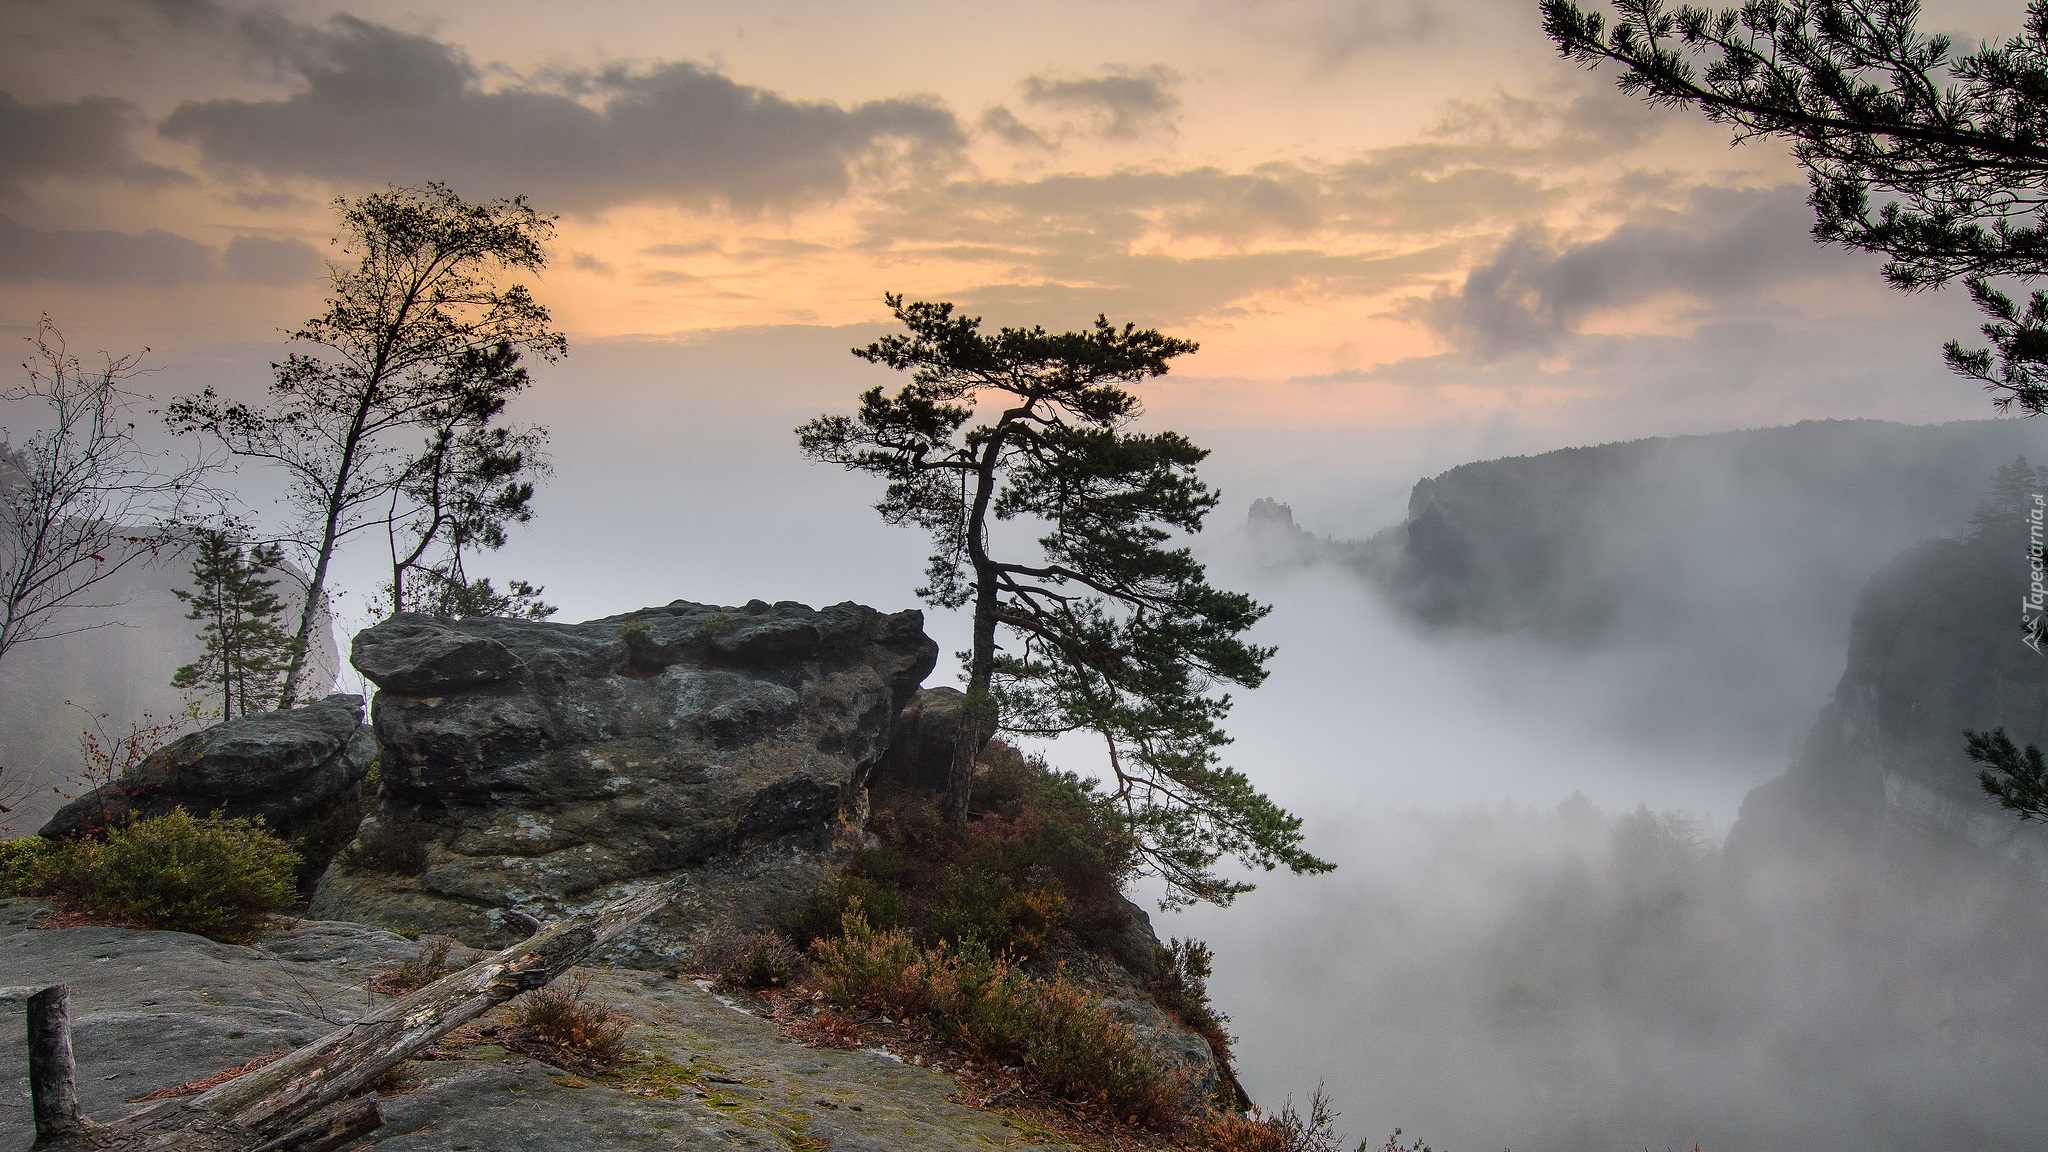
x,y
1541,934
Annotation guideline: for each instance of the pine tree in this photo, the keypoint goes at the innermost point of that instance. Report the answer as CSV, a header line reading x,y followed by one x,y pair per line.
x,y
247,650
1114,628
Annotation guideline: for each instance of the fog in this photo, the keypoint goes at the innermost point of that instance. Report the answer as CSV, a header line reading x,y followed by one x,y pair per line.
x,y
1533,939
1515,952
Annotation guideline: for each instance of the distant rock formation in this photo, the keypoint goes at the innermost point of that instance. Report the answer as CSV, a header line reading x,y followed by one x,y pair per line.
x,y
1883,778
533,769
300,771
1648,538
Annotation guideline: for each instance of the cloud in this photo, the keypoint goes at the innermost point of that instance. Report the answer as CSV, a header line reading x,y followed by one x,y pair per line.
x,y
88,137
1003,123
263,260
155,258
380,105
1121,103
1723,246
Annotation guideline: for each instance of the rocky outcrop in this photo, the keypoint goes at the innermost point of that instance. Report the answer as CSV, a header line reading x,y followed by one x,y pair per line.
x,y
1935,649
537,769
920,756
300,771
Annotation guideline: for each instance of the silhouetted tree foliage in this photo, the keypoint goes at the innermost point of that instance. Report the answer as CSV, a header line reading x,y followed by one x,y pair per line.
x,y
2015,777
1113,630
244,648
1937,160
421,335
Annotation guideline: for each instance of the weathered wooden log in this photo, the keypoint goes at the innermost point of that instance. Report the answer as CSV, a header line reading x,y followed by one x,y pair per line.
x,y
259,1110
358,1119
52,1080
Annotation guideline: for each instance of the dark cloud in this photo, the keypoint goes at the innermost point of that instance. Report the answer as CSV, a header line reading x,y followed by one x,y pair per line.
x,y
88,137
155,258
1724,246
1121,103
380,105
263,260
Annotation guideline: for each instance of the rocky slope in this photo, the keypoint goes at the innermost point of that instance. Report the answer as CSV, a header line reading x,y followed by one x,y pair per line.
x,y
151,1010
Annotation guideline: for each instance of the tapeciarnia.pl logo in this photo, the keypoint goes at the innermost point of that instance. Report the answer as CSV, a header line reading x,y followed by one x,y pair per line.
x,y
2035,607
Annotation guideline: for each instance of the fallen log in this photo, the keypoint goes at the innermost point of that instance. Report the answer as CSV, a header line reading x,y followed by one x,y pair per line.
x,y
269,1109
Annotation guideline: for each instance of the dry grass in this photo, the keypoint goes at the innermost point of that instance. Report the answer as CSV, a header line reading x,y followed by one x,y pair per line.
x,y
566,1028
429,965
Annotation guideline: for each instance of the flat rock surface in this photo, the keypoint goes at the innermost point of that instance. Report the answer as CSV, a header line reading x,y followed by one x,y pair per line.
x,y
155,1009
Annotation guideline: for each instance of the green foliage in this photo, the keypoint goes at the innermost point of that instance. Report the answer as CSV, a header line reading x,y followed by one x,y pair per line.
x,y
385,415
24,865
1067,1038
244,648
450,596
1046,858
1183,989
1116,629
2016,778
1937,160
817,914
218,878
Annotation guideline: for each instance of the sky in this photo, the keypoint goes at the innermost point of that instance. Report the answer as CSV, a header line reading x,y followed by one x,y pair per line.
x,y
1371,215
1405,234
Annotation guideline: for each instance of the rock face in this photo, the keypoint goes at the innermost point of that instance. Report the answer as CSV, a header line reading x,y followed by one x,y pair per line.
x,y
301,771
1935,649
544,768
921,754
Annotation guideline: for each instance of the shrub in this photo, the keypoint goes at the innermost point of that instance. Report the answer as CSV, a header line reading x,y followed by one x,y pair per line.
x,y
818,914
1067,1038
574,1031
215,877
974,905
426,966
24,865
1183,989
752,961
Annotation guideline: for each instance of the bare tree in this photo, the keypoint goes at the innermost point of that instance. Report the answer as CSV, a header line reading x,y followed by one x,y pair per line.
x,y
80,497
422,332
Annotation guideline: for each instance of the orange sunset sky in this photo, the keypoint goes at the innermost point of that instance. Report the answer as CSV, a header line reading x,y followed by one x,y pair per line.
x,y
1405,222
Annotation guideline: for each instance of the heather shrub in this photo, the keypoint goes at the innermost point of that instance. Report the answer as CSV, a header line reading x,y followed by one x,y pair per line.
x,y
752,961
214,877
817,915
576,1031
1183,989
1052,1026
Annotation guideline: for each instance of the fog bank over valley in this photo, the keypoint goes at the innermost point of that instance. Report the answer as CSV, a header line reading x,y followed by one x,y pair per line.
x,y
1524,723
